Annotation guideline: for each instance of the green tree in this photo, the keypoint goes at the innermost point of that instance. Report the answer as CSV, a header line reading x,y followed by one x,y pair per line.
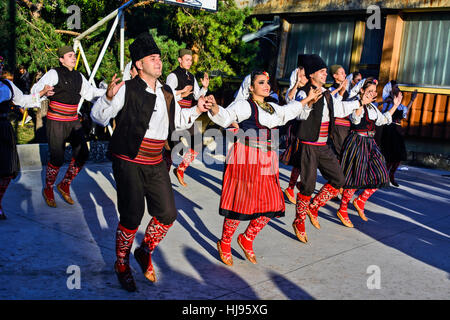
x,y
216,39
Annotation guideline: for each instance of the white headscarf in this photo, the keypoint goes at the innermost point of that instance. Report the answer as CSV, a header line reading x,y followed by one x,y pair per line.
x,y
243,92
292,81
127,72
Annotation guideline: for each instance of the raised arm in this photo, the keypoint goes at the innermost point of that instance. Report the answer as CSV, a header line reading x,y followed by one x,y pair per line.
x,y
109,105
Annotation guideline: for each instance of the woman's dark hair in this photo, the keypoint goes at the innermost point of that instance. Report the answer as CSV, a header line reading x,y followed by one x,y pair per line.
x,y
257,73
369,81
354,74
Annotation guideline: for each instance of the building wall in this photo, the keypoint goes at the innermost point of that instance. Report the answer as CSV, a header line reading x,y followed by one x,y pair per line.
x,y
289,6
429,116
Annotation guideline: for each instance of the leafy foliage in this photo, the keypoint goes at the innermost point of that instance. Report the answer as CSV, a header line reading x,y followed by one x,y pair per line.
x,y
215,38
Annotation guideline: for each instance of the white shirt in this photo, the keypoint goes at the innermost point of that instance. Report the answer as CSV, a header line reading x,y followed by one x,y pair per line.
x,y
158,128
88,91
172,81
341,108
374,114
19,99
243,92
240,110
292,82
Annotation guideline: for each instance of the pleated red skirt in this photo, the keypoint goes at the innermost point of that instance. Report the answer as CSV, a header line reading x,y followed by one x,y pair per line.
x,y
251,186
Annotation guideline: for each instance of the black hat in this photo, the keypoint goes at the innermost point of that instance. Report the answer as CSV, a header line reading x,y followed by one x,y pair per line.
x,y
311,63
143,46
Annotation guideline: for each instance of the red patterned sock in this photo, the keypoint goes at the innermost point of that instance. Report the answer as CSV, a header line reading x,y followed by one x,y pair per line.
x,y
326,193
301,208
346,198
255,226
71,173
50,175
229,228
187,159
155,232
124,241
366,195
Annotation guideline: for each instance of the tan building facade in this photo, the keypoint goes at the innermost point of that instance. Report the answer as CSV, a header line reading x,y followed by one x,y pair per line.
x,y
407,41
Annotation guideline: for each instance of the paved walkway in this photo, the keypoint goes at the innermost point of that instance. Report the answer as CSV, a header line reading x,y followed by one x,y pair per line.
x,y
402,252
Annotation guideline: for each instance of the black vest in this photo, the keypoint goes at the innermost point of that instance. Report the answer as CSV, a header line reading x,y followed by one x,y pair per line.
x,y
366,124
185,78
5,106
309,129
68,88
252,123
133,120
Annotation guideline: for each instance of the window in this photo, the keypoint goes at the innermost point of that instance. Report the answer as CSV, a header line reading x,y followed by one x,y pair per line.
x,y
331,41
425,51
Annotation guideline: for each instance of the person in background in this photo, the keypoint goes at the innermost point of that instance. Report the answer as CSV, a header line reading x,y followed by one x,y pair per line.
x,y
186,89
392,143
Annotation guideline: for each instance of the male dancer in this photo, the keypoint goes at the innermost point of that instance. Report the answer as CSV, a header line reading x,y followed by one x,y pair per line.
x,y
63,123
186,89
146,113
315,153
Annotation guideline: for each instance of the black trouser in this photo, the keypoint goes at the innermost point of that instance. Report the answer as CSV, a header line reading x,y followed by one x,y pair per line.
x,y
338,137
60,132
136,183
323,158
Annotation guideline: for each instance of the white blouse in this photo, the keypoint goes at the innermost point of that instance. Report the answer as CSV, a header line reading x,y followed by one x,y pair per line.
x,y
240,110
23,100
374,114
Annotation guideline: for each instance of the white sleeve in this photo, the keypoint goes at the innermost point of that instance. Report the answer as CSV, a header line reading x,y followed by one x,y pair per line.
x,y
243,89
382,118
197,91
50,78
344,108
89,91
184,117
283,114
237,111
292,82
172,81
25,100
104,110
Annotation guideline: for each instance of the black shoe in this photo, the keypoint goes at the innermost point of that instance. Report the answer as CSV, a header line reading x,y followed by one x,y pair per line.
x,y
2,214
126,279
394,183
145,261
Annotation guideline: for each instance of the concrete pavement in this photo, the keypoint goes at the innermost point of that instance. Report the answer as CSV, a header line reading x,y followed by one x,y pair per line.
x,y
402,252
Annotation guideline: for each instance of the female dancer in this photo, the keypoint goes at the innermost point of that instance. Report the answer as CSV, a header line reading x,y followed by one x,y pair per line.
x,y
9,158
392,142
362,162
251,188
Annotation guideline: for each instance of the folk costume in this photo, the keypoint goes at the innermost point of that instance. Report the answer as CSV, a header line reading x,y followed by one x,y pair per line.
x,y
251,188
392,143
342,125
362,161
291,154
315,153
177,80
145,119
9,158
64,125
